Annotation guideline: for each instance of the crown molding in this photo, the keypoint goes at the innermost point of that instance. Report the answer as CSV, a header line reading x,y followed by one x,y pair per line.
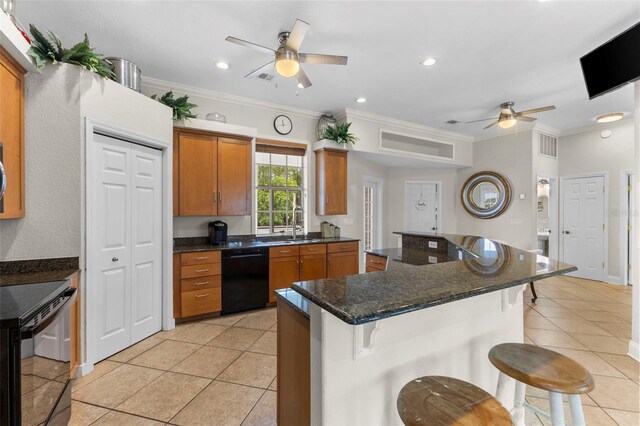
x,y
596,127
154,83
426,130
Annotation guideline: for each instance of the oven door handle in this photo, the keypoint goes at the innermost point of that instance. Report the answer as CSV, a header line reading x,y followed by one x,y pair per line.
x,y
3,180
28,333
239,256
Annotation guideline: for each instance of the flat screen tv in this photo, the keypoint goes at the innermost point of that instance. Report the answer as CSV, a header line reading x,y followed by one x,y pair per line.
x,y
614,64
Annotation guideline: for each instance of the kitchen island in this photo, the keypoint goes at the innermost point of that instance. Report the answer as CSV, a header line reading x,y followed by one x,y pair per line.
x,y
438,308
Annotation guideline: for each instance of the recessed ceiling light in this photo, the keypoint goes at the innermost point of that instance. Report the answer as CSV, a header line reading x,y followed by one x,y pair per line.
x,y
361,100
608,118
428,62
222,65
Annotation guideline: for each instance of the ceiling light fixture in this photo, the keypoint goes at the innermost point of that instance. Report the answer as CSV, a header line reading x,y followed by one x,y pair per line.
x,y
287,63
300,86
222,65
506,121
428,62
609,118
361,100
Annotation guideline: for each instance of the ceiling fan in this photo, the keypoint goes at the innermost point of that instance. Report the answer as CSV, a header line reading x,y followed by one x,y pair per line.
x,y
287,60
509,117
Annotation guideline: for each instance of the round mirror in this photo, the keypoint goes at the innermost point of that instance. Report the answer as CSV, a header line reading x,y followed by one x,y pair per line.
x,y
486,195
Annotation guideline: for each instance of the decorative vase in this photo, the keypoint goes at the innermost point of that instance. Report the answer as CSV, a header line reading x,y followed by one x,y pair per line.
x,y
324,121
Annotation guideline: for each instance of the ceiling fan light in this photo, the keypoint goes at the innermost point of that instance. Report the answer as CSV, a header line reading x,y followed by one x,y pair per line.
x,y
507,123
287,67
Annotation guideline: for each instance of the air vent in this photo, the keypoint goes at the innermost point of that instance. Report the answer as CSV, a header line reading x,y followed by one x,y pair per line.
x,y
547,145
415,146
265,76
452,122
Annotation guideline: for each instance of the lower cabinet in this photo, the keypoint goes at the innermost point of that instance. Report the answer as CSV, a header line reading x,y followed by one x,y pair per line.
x,y
282,272
197,284
343,259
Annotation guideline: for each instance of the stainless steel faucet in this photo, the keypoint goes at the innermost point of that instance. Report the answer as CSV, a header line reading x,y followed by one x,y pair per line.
x,y
297,209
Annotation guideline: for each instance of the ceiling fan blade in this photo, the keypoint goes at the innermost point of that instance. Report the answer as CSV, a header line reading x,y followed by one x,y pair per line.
x,y
535,110
253,46
491,125
303,80
317,58
267,68
484,119
524,118
297,34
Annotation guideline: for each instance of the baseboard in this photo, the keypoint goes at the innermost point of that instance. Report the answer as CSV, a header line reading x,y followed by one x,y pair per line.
x,y
83,369
634,350
614,280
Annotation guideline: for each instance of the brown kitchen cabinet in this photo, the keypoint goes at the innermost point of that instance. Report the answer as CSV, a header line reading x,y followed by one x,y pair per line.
x,y
375,263
331,182
283,271
212,174
12,135
343,259
197,284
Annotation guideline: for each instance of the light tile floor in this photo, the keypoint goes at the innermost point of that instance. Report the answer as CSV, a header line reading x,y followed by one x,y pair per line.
x,y
222,371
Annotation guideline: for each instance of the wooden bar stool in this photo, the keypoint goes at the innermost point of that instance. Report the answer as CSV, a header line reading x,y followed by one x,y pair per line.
x,y
445,401
542,369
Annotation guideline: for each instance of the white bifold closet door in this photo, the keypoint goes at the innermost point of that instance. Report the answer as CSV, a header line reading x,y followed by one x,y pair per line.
x,y
127,228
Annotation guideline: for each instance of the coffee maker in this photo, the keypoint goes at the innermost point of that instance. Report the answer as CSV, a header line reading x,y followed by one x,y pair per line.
x,y
217,232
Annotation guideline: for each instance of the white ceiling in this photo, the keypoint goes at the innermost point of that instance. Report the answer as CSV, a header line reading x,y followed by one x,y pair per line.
x,y
487,51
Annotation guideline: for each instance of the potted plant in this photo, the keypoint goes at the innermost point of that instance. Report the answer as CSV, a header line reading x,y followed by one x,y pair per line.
x,y
181,108
337,137
49,50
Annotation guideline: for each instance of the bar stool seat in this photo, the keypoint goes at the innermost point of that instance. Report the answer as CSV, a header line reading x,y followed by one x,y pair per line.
x,y
445,401
543,369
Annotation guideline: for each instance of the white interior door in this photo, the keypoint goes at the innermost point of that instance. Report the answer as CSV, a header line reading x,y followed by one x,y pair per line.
x,y
583,226
421,207
371,214
127,235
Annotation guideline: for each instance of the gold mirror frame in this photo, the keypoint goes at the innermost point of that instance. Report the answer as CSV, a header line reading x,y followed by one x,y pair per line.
x,y
504,195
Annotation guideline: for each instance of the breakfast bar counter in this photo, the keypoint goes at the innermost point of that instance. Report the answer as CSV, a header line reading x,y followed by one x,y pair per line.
x,y
438,308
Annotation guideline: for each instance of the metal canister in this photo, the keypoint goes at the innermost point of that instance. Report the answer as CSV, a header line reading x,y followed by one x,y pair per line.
x,y
127,73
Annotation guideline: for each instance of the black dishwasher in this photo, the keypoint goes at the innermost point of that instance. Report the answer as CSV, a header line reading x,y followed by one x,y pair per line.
x,y
245,279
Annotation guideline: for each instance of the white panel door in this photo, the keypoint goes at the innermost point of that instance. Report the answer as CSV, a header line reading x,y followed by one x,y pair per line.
x,y
583,226
146,242
126,281
421,207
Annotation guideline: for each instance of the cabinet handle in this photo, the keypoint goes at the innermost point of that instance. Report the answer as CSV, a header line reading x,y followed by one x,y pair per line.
x,y
202,270
301,265
215,197
202,258
312,249
202,283
200,296
344,247
326,200
285,251
219,197
377,262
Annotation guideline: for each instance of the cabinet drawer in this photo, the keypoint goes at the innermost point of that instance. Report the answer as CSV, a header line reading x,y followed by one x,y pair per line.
x,y
203,270
376,262
313,249
191,284
200,257
342,247
200,302
284,251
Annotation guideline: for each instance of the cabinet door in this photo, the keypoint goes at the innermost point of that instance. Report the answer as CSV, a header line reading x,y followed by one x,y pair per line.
x,y
342,264
12,135
283,271
234,177
198,174
331,182
313,267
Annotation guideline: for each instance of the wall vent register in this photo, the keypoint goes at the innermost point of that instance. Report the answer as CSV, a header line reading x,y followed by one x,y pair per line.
x,y
547,145
413,145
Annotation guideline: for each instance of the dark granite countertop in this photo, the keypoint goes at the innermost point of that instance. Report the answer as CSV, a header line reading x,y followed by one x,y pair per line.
x,y
30,271
405,257
486,267
294,299
189,245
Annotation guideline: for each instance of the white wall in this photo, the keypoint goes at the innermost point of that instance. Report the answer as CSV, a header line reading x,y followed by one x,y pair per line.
x,y
634,344
511,156
587,152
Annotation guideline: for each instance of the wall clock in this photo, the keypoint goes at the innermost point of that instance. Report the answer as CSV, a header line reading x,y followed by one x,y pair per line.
x,y
283,124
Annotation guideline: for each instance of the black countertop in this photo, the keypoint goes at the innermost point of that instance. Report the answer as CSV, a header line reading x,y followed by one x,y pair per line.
x,y
189,245
18,303
486,267
294,299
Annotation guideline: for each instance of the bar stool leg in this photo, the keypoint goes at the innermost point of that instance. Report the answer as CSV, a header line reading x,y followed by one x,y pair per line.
x,y
517,414
501,390
577,416
557,409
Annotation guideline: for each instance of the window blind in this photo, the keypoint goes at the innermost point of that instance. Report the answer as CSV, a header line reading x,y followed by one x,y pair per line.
x,y
280,147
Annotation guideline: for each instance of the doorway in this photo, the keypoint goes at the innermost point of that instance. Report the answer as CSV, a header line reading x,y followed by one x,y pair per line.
x,y
626,226
584,227
422,201
125,244
372,213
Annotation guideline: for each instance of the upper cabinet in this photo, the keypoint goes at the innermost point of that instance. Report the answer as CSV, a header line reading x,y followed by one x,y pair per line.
x,y
12,135
331,181
212,174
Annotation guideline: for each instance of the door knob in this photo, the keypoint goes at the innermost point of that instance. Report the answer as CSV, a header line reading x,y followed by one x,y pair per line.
x,y
114,259
567,232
